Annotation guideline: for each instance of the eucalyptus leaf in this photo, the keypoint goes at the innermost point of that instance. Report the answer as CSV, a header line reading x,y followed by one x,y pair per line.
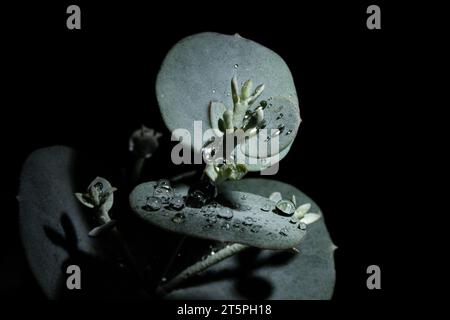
x,y
198,70
55,226
236,217
46,200
309,274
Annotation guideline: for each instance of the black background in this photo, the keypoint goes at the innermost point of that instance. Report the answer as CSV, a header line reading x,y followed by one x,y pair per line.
x,y
91,88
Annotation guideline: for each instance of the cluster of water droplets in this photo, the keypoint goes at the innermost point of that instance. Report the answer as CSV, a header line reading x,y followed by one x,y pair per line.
x,y
164,196
216,215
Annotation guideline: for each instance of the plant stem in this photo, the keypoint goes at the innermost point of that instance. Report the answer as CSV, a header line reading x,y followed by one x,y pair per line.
x,y
200,266
173,257
103,217
137,170
183,176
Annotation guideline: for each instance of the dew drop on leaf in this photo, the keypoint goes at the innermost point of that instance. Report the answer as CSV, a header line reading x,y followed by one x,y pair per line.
x,y
226,226
248,221
225,213
294,220
285,207
256,228
177,203
152,204
179,218
284,232
267,207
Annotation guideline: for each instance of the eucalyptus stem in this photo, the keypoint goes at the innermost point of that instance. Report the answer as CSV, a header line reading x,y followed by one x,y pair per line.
x,y
173,257
137,169
200,266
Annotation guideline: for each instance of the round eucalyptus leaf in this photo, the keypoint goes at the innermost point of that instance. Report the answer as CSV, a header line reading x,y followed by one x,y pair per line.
x,y
267,274
236,217
198,70
55,226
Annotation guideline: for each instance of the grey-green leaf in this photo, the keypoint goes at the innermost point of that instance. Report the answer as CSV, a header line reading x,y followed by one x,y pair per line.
x,y
198,70
237,217
53,223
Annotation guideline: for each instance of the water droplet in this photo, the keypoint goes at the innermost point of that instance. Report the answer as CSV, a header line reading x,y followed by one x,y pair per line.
x,y
285,207
213,205
267,207
152,204
99,186
257,109
209,153
201,193
256,228
163,279
179,218
280,116
284,232
211,219
226,226
275,132
237,224
226,213
196,199
267,139
244,197
263,104
248,221
281,128
213,90
164,183
163,193
236,66
302,226
289,132
294,220
261,125
177,203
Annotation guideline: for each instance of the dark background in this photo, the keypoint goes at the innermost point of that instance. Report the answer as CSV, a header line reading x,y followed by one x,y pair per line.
x,y
91,88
